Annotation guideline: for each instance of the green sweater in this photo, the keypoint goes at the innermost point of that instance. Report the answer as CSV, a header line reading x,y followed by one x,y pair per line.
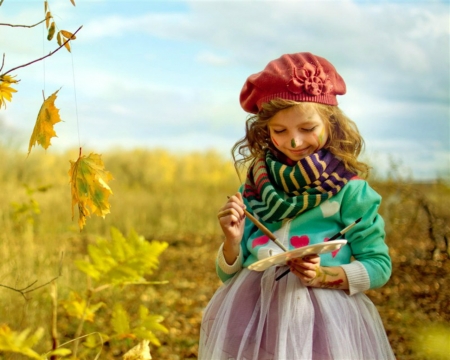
x,y
365,258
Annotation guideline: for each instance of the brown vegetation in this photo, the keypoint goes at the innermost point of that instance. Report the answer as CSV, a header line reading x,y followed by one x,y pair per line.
x,y
175,199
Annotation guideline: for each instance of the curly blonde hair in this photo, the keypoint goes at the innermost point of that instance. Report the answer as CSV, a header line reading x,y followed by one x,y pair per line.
x,y
344,139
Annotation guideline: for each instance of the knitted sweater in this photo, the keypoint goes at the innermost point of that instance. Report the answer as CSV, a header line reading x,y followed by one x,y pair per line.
x,y
365,258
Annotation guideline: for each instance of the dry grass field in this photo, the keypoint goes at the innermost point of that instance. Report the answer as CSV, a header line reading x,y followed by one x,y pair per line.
x,y
175,199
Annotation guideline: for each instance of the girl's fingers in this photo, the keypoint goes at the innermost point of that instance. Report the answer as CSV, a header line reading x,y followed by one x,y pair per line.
x,y
229,212
233,207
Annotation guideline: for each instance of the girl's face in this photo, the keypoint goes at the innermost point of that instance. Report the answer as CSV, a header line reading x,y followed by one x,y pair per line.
x,y
298,132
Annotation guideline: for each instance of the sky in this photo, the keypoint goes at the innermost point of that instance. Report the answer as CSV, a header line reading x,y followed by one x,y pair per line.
x,y
168,74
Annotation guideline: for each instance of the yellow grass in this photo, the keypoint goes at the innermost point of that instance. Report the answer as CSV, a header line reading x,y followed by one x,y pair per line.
x,y
175,198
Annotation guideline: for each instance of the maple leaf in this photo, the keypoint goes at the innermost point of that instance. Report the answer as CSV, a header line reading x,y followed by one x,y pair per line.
x,y
5,89
43,129
89,187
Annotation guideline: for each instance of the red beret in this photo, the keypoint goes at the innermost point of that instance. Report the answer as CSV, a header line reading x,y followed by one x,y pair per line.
x,y
298,77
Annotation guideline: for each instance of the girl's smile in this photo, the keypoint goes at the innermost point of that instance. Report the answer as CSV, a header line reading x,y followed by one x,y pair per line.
x,y
297,132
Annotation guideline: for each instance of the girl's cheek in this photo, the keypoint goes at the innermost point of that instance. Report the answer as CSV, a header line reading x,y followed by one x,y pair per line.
x,y
274,141
320,138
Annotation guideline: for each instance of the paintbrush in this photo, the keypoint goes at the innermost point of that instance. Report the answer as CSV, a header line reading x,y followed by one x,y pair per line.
x,y
265,230
334,237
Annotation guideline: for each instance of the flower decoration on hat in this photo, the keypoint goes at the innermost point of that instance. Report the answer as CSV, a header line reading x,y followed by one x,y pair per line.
x,y
310,79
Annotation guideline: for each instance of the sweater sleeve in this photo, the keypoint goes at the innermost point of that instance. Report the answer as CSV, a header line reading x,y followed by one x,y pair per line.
x,y
225,271
366,239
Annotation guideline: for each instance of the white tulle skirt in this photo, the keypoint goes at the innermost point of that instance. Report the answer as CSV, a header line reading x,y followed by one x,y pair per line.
x,y
254,317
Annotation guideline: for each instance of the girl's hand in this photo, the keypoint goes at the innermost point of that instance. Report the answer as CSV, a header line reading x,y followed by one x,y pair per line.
x,y
232,219
306,268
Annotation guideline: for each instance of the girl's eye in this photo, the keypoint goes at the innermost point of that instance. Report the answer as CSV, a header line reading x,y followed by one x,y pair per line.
x,y
278,131
310,129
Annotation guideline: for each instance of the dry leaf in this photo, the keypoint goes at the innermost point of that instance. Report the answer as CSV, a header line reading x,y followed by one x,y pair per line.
x,y
51,31
89,187
140,352
67,45
43,129
48,16
5,89
59,38
68,35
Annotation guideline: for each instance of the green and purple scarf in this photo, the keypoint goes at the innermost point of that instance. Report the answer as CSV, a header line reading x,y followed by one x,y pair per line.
x,y
278,188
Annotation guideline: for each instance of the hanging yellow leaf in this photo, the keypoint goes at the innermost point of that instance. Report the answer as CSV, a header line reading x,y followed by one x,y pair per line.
x,y
89,187
48,16
63,36
51,31
59,38
43,129
67,45
73,2
45,7
68,35
5,89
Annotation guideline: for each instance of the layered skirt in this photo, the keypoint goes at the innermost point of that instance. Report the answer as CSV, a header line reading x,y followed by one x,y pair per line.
x,y
254,317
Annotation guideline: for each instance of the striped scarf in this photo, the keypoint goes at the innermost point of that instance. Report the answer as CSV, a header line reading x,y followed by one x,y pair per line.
x,y
276,191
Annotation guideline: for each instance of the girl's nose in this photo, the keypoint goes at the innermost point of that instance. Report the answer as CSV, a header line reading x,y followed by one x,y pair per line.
x,y
296,141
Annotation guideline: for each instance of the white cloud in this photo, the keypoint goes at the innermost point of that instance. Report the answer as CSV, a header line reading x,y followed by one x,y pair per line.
x,y
212,59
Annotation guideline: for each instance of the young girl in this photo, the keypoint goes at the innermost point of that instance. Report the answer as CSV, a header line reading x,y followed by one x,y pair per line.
x,y
304,184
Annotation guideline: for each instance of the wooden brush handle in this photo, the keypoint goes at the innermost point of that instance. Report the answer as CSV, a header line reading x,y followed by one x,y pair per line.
x,y
265,230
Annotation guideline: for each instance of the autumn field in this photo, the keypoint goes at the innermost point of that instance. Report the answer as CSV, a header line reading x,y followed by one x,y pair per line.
x,y
174,199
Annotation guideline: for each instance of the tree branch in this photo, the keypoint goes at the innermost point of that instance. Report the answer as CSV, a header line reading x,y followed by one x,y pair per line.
x,y
25,26
46,56
3,62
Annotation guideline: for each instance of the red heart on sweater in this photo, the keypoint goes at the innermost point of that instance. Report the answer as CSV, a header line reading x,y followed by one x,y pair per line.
x,y
262,240
299,241
333,253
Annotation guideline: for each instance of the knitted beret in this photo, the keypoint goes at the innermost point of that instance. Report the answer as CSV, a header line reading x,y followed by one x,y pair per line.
x,y
298,77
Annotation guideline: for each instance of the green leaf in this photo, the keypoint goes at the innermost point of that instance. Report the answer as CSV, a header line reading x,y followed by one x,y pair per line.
x,y
147,325
58,352
120,321
20,342
76,307
122,260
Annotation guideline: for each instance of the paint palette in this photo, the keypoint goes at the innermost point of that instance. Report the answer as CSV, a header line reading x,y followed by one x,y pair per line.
x,y
283,258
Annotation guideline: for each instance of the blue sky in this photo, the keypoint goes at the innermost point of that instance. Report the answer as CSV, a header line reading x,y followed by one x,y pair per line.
x,y
168,73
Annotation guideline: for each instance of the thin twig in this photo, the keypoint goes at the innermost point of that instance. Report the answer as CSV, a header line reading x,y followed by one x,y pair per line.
x,y
54,324
83,318
25,26
46,56
27,289
82,337
3,62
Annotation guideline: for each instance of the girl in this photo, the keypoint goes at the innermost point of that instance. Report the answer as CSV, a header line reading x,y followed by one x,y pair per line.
x,y
304,184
